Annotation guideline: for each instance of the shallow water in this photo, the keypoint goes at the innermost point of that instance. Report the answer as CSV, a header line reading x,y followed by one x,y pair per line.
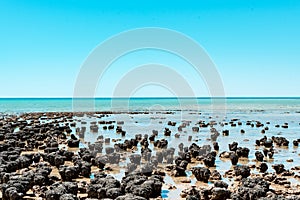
x,y
145,123
275,111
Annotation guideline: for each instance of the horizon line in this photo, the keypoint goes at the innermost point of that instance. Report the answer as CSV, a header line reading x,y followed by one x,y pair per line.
x,y
160,97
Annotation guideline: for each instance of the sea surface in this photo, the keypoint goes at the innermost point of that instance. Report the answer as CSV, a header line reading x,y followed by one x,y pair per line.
x,y
266,105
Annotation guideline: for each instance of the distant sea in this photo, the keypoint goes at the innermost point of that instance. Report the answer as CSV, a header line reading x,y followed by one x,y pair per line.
x,y
232,104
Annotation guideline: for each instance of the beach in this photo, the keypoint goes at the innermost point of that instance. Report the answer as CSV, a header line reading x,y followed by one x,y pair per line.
x,y
157,148
152,100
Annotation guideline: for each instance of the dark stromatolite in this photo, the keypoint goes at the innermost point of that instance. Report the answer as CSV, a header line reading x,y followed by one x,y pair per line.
x,y
201,173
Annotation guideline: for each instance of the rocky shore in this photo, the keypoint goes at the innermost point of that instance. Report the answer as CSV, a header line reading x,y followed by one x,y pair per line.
x,y
48,156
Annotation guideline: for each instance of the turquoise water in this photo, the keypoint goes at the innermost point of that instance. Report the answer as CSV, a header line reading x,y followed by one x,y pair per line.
x,y
21,105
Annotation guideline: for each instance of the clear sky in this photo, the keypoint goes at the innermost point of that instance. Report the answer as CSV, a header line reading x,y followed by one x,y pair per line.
x,y
254,44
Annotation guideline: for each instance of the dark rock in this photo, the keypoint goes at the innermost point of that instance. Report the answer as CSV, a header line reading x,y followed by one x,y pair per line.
x,y
109,150
270,177
113,193
113,158
68,173
242,152
280,141
225,132
295,143
201,173
73,143
242,170
147,169
130,168
195,129
101,185
167,132
234,158
163,144
71,187
233,146
171,123
279,168
214,136
215,175
221,184
176,171
181,162
220,194
216,146
209,160
259,156
50,150
180,146
11,193
271,153
152,138
59,160
101,161
251,189
23,162
84,168
263,167
159,156
268,143
154,161
140,185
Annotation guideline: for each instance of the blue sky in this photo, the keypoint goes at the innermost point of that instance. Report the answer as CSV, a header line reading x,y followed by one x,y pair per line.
x,y
254,44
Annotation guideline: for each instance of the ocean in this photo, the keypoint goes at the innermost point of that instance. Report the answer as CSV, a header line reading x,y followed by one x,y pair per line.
x,y
277,105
